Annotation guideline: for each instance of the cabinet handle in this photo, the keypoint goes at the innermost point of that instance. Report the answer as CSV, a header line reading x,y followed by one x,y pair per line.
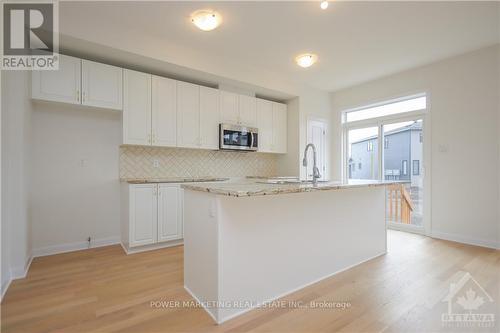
x,y
78,95
149,138
83,97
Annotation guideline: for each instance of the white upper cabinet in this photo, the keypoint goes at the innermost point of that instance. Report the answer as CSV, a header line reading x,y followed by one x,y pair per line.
x,y
62,85
248,110
272,125
169,212
238,109
188,115
209,118
164,112
229,111
101,85
136,108
143,228
265,125
279,128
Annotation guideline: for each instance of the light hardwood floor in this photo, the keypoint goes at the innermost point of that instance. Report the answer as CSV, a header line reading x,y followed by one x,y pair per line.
x,y
103,290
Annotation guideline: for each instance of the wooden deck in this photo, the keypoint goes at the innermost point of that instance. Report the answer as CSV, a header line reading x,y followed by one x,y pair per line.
x,y
103,290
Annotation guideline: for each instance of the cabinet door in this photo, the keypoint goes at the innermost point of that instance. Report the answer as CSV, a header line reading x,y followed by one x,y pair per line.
x,y
62,85
209,118
136,108
265,125
143,214
229,112
188,115
279,128
248,110
102,85
164,112
170,213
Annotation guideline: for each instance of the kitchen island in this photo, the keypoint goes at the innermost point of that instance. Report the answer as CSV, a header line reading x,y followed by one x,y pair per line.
x,y
247,243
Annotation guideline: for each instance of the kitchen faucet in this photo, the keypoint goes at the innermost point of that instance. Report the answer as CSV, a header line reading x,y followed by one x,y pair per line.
x,y
316,174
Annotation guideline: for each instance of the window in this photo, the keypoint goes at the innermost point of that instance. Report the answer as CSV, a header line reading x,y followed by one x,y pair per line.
x,y
369,146
388,108
386,143
405,167
416,167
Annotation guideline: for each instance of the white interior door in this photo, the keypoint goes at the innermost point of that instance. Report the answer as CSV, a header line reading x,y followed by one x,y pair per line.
x,y
316,134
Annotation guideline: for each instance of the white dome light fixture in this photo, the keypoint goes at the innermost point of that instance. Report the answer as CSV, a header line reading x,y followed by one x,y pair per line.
x,y
206,20
324,5
306,60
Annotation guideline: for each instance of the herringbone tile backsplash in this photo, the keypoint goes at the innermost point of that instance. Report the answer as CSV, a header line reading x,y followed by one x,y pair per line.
x,y
138,162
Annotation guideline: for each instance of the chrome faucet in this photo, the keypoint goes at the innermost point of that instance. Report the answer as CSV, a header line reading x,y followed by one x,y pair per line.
x,y
316,174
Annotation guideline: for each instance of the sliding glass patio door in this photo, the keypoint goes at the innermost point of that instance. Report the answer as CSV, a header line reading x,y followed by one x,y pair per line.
x,y
386,142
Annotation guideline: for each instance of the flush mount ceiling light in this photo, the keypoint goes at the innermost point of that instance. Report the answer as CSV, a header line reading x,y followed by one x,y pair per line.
x,y
306,60
205,19
324,5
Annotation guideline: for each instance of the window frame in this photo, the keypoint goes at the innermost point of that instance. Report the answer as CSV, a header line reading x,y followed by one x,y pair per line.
x,y
404,167
417,168
382,103
378,122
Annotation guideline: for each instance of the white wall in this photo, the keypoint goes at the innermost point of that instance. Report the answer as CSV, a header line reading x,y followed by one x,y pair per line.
x,y
463,95
16,226
311,103
314,103
74,176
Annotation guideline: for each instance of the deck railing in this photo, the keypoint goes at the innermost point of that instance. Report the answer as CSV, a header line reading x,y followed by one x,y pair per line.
x,y
400,204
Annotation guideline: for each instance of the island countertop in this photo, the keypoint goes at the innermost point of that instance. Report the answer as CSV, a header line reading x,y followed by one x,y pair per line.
x,y
253,187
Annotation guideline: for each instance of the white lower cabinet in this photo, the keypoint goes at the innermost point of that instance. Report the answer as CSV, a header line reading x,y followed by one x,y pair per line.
x,y
153,214
143,214
169,212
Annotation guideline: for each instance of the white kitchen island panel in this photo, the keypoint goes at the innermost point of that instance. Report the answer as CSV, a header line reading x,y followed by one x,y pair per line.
x,y
241,252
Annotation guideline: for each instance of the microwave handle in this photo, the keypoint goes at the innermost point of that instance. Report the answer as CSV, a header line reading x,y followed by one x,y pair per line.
x,y
251,139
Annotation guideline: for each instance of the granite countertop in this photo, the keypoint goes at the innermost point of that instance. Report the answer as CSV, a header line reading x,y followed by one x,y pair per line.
x,y
251,187
172,180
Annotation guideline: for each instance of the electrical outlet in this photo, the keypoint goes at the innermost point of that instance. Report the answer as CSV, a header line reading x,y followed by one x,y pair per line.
x,y
156,163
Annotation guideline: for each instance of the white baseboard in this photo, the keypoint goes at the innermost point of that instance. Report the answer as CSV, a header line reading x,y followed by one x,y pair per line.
x,y
157,246
465,240
5,286
70,247
21,272
14,274
203,305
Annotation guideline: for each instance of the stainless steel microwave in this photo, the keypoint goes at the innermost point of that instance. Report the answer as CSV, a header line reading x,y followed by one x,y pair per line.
x,y
236,137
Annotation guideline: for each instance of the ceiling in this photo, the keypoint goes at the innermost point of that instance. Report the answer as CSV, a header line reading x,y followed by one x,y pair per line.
x,y
257,41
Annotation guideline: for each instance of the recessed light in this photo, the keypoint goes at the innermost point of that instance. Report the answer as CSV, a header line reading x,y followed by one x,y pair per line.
x,y
206,20
324,5
306,60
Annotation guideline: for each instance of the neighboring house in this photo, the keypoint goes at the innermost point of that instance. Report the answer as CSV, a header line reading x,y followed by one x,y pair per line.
x,y
402,155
